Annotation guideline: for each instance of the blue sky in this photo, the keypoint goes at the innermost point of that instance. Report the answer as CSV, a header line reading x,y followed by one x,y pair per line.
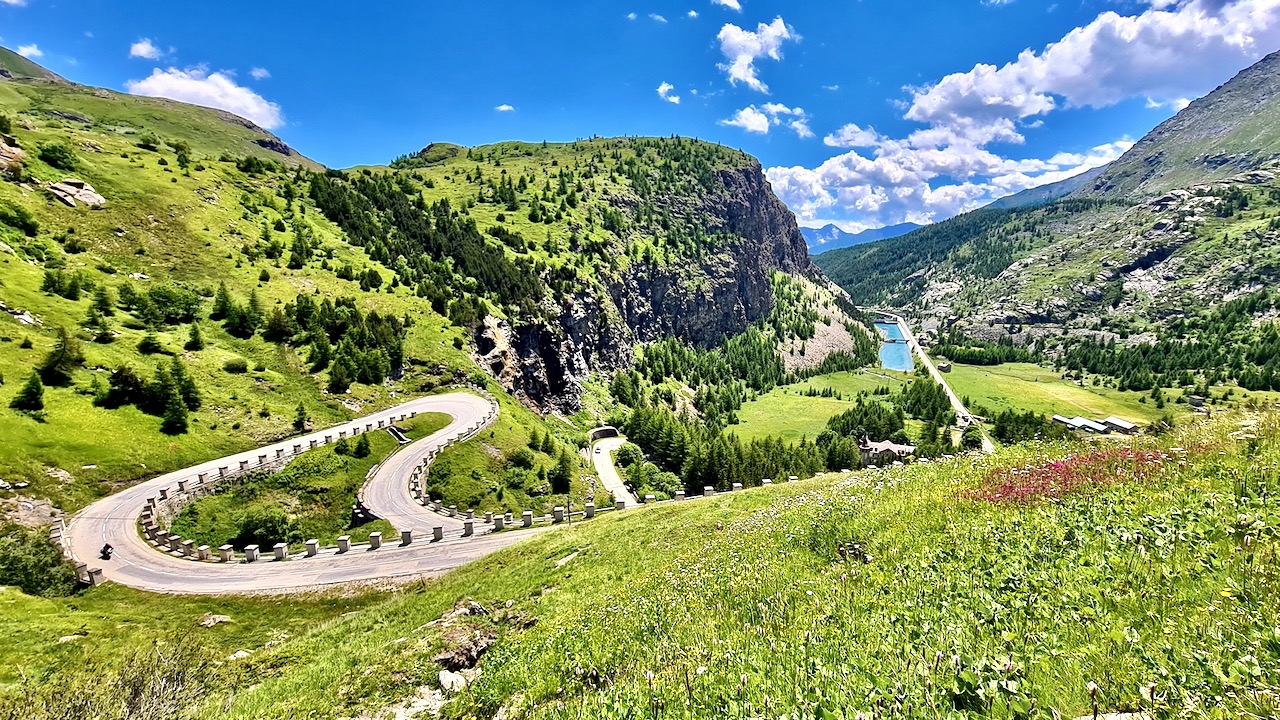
x,y
865,113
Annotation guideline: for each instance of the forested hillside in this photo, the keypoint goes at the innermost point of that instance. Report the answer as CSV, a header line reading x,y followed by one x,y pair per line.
x,y
200,287
1156,273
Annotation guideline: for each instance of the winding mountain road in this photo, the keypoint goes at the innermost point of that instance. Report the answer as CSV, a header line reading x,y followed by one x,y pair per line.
x,y
602,456
137,564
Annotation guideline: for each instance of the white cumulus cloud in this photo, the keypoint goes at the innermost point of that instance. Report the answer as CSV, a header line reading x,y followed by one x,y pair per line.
x,y
144,48
741,48
664,92
759,120
692,14
657,18
731,4
852,136
217,90
749,119
259,73
30,51
505,108
1171,51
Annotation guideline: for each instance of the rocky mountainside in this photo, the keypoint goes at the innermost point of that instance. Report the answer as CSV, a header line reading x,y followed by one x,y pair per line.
x,y
646,239
1232,130
1182,221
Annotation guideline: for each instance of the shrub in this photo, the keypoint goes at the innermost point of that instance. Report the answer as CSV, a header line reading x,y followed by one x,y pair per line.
x,y
174,304
521,458
361,448
628,455
266,526
237,366
18,217
32,562
58,155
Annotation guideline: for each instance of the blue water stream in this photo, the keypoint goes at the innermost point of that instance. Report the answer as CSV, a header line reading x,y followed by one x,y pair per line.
x,y
894,355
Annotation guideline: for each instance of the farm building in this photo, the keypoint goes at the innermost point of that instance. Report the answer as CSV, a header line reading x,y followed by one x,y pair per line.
x,y
1121,426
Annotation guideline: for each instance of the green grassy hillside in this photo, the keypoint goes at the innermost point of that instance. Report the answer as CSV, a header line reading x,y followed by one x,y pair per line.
x,y
19,67
288,295
192,204
958,589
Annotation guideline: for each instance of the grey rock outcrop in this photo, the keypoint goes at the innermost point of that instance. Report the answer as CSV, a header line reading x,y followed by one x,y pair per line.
x,y
546,363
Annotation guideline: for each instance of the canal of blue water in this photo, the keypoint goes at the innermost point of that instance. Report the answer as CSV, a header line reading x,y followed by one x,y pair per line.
x,y
895,354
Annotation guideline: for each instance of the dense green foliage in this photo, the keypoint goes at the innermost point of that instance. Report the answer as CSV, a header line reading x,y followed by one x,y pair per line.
x,y
957,347
1012,427
32,562
425,238
1220,343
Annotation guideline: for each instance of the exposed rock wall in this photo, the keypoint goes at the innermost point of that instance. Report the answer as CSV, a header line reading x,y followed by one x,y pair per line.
x,y
545,363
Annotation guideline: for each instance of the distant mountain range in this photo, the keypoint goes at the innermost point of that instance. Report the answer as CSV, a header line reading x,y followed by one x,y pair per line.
x,y
1045,194
831,237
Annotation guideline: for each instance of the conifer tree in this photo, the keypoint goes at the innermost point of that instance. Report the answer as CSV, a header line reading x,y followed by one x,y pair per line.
x,y
561,475
254,310
195,342
300,417
184,384
361,448
102,302
321,353
62,360
221,303
174,419
31,397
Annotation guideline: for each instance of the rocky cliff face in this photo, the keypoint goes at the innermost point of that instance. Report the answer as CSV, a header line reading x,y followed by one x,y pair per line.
x,y
546,363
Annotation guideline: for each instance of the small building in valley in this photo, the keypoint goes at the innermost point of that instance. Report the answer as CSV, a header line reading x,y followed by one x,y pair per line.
x,y
944,366
886,451
1121,426
1082,424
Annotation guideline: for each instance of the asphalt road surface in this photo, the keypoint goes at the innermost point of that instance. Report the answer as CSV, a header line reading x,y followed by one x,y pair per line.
x,y
602,456
137,564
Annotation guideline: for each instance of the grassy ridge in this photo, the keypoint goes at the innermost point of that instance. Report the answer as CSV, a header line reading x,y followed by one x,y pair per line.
x,y
45,636
905,592
161,226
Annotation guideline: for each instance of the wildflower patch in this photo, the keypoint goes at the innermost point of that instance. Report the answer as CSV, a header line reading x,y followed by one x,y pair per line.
x,y
1055,478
